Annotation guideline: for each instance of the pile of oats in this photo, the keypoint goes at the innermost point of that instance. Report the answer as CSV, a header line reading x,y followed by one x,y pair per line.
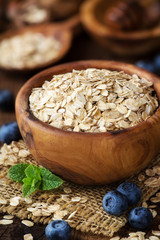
x,y
94,100
28,50
34,14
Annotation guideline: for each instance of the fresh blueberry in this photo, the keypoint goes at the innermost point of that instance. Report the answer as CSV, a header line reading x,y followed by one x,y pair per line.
x,y
131,191
6,100
147,65
58,230
9,132
140,218
115,203
157,63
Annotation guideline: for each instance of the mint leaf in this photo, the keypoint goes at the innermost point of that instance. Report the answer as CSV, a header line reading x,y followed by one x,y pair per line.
x,y
30,185
49,180
28,190
17,172
33,178
33,171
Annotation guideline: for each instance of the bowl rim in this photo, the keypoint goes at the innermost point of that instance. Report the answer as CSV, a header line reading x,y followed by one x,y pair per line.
x,y
89,20
22,98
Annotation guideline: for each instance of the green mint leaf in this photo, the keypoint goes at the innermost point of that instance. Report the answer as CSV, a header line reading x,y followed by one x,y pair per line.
x,y
30,185
49,180
28,190
17,172
33,171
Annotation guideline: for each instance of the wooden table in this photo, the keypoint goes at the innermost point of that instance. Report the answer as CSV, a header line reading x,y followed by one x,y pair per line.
x,y
83,48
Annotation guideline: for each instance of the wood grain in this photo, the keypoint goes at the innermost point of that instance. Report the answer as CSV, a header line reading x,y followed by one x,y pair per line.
x,y
89,158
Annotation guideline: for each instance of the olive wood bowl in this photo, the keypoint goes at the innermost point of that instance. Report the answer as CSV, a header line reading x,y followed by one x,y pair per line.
x,y
89,158
119,42
62,32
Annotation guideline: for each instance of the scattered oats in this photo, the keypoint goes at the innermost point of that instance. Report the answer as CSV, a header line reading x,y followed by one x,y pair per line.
x,y
65,197
155,199
6,221
152,206
60,214
144,204
28,223
14,201
75,199
153,238
84,199
141,177
8,217
156,169
53,208
115,238
158,194
28,236
28,200
3,201
93,100
154,212
157,233
150,172
152,182
67,190
72,214
37,212
23,153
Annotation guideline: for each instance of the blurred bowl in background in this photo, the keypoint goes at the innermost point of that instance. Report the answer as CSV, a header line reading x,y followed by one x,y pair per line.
x,y
127,39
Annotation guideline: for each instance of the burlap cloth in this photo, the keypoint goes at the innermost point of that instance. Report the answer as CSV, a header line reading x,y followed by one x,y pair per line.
x,y
79,205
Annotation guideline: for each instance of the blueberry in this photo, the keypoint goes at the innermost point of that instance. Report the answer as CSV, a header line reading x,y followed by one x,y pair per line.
x,y
146,65
6,100
157,63
131,191
115,203
58,230
9,132
140,218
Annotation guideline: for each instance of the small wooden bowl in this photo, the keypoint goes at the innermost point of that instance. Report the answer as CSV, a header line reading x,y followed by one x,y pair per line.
x,y
62,32
89,158
121,43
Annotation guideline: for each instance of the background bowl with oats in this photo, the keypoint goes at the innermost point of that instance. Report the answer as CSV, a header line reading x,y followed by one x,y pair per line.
x,y
91,122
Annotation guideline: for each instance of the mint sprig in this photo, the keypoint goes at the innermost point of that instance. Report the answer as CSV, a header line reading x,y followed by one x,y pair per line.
x,y
33,178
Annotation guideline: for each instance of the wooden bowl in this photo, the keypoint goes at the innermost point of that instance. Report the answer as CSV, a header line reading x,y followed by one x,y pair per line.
x,y
62,32
17,10
121,43
89,158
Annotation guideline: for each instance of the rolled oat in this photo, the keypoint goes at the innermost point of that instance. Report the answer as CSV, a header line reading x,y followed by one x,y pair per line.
x,y
28,50
94,100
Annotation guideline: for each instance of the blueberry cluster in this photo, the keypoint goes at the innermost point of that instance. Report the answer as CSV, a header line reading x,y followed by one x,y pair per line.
x,y
127,194
152,65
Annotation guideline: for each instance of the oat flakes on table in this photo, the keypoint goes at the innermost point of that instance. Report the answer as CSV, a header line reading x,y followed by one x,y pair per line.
x,y
94,100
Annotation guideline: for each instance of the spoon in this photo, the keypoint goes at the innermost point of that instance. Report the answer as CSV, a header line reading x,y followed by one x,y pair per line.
x,y
62,32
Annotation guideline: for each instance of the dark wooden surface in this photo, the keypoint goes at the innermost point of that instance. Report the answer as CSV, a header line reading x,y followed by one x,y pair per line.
x,y
83,48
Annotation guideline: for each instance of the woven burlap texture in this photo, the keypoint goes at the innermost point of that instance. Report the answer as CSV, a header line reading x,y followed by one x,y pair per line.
x,y
79,205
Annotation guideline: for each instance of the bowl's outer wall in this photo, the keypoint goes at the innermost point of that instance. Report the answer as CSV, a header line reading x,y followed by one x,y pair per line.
x,y
89,158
